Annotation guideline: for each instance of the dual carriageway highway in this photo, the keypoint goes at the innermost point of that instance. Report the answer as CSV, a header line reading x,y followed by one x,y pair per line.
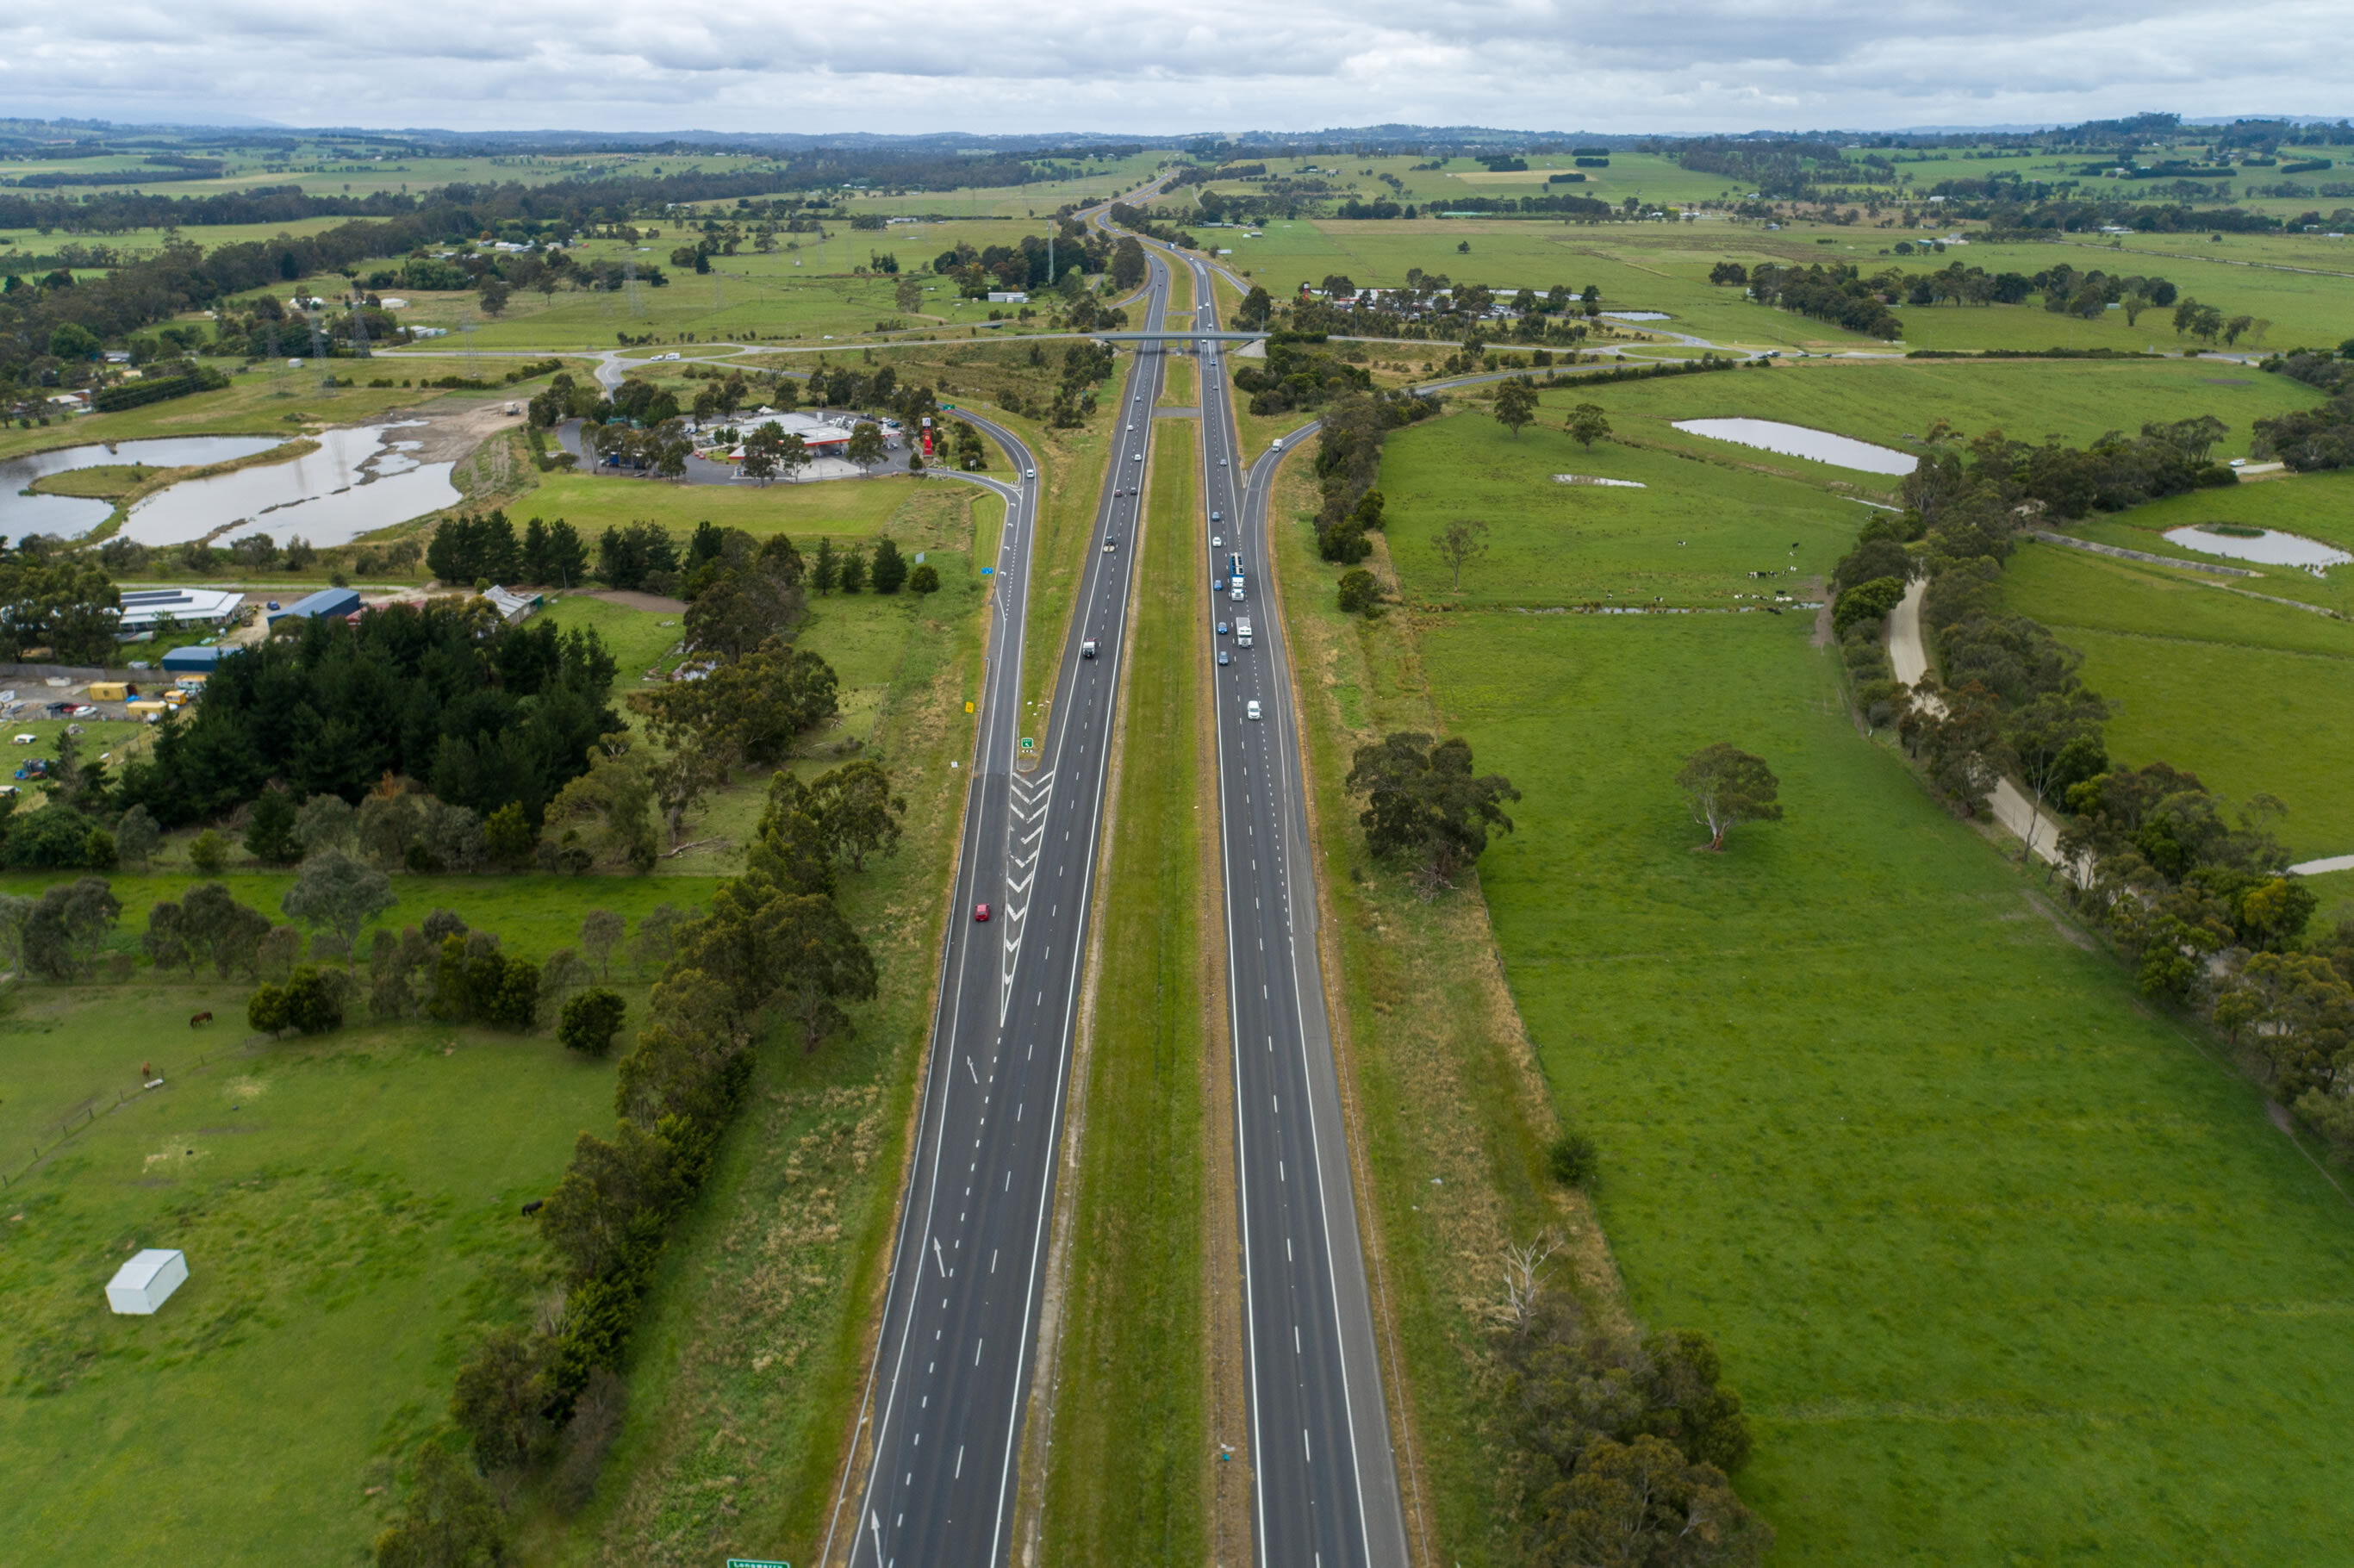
x,y
941,1433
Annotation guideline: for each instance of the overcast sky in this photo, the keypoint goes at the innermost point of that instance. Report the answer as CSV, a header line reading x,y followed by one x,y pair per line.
x,y
1038,66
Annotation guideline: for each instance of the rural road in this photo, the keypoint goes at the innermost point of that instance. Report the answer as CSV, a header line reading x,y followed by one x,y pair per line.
x,y
952,1367
1324,1479
2039,829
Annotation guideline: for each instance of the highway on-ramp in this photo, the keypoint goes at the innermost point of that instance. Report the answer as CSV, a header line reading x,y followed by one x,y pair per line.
x,y
1325,1480
954,1361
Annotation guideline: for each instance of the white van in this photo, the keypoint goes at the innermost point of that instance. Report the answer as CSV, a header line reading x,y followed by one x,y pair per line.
x,y
1242,634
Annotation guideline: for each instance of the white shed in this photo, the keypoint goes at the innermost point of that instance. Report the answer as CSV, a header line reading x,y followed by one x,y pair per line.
x,y
147,1281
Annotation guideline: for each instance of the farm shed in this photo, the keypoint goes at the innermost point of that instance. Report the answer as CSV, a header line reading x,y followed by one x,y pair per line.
x,y
325,602
147,1281
194,660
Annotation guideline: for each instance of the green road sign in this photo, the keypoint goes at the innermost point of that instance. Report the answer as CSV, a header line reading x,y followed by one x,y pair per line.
x,y
756,1562
1028,743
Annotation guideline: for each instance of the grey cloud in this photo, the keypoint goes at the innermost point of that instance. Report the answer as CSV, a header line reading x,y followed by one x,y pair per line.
x,y
1034,64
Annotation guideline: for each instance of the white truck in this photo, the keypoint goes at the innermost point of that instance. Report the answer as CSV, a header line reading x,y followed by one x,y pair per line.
x,y
1242,634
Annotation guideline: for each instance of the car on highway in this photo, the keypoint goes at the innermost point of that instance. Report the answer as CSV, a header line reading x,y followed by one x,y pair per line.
x,y
981,911
1222,462
1251,710
1225,657
1276,445
1217,516
1109,543
1217,541
1140,457
1222,629
1087,649
1029,473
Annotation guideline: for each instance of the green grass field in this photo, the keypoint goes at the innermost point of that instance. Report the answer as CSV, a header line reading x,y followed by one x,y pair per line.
x,y
349,1207
2314,505
1134,1356
1713,512
2004,1268
1888,402
2253,698
593,503
1691,536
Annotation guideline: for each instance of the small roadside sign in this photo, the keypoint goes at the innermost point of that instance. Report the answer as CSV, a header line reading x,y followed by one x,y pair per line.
x,y
1028,743
756,1562
968,707
988,571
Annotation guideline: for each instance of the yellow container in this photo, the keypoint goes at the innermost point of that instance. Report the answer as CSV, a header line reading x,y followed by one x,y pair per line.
x,y
108,691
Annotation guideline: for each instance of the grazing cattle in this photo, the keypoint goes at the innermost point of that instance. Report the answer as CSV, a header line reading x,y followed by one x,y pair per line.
x,y
534,1205
200,1018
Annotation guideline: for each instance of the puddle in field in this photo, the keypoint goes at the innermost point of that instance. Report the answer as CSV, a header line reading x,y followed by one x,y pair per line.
x,y
1636,316
71,516
1798,440
2269,545
358,481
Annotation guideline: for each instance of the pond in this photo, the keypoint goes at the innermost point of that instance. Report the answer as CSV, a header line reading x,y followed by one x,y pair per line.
x,y
69,516
2269,545
358,481
1636,316
1798,440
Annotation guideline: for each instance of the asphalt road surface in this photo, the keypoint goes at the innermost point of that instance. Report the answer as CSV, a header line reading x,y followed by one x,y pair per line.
x,y
1325,1483
954,1363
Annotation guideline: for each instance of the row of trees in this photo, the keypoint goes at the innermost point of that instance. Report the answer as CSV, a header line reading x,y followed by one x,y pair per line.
x,y
1349,459
2311,440
2194,892
774,950
469,548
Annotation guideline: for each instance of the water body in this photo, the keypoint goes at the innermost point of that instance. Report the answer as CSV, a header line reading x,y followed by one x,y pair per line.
x,y
358,481
1798,440
2272,548
1636,316
71,516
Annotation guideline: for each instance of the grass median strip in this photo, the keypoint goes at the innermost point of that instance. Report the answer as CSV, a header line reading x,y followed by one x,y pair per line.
x,y
1128,1481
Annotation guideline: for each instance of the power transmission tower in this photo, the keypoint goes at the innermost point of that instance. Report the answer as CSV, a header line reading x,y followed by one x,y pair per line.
x,y
359,329
629,275
319,347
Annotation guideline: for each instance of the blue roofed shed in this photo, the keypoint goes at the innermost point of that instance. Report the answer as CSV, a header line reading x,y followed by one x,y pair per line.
x,y
326,602
194,660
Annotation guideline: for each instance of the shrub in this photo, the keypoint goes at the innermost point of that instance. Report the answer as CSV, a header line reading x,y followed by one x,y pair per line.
x,y
924,579
208,855
590,1020
1573,1159
1360,592
1866,603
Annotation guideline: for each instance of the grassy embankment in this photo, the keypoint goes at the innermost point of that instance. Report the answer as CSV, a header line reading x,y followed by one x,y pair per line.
x,y
1134,1359
2015,1272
